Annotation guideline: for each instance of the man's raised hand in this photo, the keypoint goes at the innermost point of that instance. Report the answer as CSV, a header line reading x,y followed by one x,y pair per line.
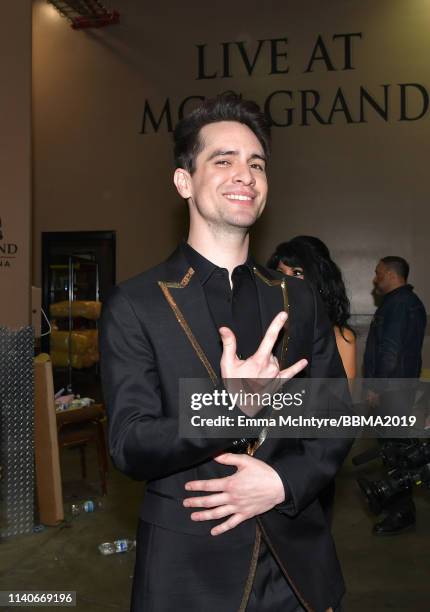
x,y
262,364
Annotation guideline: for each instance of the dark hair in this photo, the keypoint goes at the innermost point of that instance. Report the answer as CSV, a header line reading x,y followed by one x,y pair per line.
x,y
228,106
311,254
398,265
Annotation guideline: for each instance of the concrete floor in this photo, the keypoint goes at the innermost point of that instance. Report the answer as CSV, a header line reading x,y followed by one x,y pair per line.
x,y
381,573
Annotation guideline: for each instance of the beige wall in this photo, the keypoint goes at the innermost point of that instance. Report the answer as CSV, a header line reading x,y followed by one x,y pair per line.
x,y
15,163
362,188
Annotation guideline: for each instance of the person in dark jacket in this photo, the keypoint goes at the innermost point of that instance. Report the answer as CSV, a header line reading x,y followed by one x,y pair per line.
x,y
393,350
258,539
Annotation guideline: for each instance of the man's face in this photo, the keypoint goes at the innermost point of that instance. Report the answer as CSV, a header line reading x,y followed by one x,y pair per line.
x,y
228,188
382,279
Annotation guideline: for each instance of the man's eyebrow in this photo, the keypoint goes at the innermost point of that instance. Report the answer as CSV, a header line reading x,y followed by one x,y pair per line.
x,y
218,152
259,156
221,152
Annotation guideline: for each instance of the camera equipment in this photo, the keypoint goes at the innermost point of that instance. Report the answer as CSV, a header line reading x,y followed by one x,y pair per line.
x,y
408,463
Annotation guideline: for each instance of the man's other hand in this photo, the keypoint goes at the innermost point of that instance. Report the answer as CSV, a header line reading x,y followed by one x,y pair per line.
x,y
253,489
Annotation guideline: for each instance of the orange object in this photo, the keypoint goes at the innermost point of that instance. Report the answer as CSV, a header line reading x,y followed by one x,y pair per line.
x,y
86,309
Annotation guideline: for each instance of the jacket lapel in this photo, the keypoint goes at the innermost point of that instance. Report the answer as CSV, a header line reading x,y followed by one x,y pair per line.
x,y
186,298
273,298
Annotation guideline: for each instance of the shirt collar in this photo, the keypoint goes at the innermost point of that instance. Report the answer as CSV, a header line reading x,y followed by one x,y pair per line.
x,y
205,268
401,289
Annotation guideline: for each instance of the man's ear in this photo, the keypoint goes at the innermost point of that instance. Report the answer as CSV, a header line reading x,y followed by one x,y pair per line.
x,y
182,181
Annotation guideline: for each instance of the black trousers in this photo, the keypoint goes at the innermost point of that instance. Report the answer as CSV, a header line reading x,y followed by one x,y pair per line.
x,y
163,583
271,590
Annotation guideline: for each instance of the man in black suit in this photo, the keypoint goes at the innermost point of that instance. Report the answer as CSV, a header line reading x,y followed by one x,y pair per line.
x,y
251,535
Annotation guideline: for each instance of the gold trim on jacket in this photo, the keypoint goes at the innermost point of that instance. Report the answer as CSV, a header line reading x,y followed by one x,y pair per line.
x,y
165,286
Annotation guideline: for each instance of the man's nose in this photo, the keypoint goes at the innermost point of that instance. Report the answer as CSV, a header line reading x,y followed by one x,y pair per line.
x,y
243,174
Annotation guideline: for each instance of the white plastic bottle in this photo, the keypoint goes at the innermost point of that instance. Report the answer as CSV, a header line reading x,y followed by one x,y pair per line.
x,y
118,546
87,506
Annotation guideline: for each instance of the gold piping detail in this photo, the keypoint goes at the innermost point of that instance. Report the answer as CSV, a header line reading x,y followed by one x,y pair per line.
x,y
252,569
283,284
268,281
182,283
164,286
255,445
287,324
299,596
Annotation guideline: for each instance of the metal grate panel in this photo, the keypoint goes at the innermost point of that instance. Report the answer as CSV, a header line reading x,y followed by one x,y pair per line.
x,y
16,431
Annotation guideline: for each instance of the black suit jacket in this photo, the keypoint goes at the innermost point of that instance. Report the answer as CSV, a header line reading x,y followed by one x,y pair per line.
x,y
156,329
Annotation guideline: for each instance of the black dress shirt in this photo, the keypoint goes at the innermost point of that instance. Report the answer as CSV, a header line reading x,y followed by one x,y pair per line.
x,y
234,306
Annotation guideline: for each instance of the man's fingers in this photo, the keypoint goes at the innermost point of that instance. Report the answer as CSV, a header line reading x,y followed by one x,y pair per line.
x,y
210,515
229,345
208,501
232,522
238,460
274,360
293,370
265,349
214,484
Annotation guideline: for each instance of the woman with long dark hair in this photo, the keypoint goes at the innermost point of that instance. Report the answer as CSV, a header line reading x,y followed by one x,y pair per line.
x,y
308,257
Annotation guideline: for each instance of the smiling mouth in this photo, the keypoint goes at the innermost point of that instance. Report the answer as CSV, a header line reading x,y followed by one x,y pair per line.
x,y
241,198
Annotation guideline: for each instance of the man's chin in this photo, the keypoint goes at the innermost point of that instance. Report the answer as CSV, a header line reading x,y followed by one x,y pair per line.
x,y
243,220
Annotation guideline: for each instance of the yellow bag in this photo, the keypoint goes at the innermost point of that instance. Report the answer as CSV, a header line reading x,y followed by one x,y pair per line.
x,y
80,308
83,341
60,359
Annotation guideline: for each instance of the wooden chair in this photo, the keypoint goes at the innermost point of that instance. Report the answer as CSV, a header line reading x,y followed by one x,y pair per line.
x,y
78,427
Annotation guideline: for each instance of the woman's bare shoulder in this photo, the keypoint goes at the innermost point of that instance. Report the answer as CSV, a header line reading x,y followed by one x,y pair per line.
x,y
345,334
346,346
